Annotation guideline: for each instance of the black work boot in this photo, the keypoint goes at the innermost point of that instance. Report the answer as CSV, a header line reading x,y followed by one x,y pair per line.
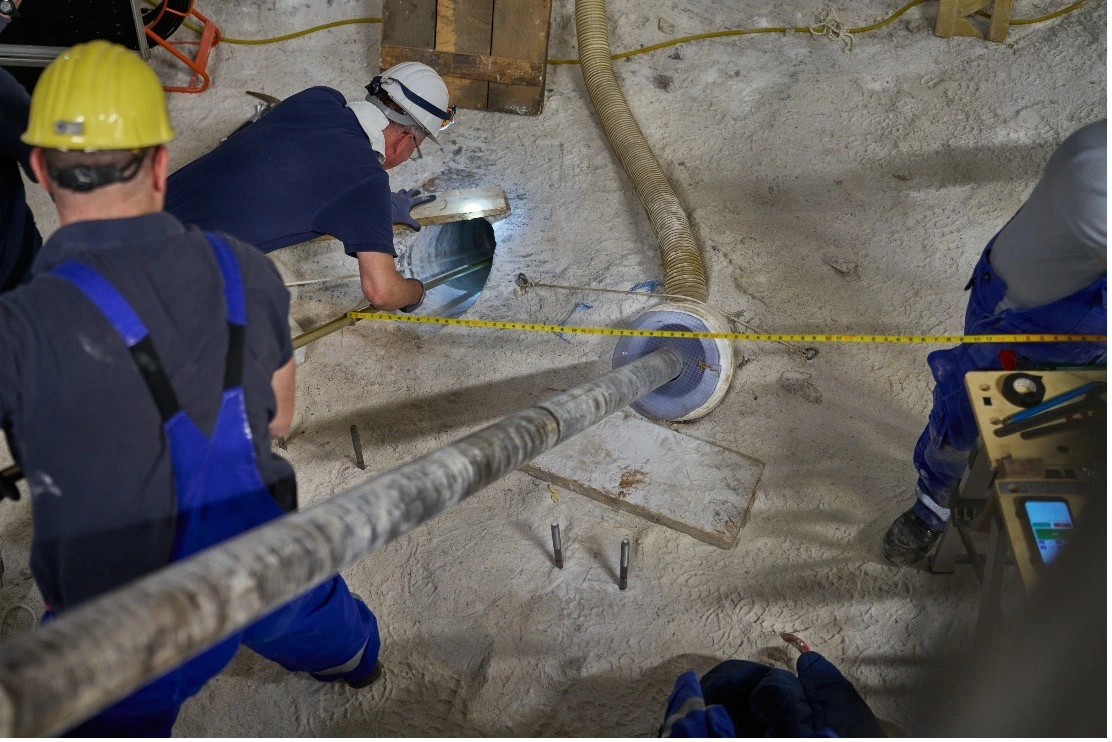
x,y
908,540
369,680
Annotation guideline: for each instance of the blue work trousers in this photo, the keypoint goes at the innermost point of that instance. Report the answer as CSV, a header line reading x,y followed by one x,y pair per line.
x,y
943,448
323,629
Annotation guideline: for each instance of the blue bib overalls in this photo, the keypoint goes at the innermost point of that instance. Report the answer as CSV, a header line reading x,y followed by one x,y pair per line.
x,y
943,448
220,494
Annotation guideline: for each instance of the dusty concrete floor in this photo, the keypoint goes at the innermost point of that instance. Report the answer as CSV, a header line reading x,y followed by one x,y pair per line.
x,y
832,191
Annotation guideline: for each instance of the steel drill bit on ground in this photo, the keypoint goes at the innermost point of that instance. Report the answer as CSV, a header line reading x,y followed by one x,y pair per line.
x,y
623,574
557,549
357,446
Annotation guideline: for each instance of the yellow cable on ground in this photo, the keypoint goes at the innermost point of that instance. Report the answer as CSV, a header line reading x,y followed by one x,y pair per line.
x,y
752,337
286,37
810,29
663,44
296,34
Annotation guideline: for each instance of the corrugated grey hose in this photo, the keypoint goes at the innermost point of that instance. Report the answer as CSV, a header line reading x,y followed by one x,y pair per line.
x,y
684,274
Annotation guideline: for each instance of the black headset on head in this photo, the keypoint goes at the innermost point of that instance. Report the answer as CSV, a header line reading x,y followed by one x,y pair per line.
x,y
446,117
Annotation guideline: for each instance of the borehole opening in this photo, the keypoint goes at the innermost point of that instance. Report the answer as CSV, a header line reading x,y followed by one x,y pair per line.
x,y
454,265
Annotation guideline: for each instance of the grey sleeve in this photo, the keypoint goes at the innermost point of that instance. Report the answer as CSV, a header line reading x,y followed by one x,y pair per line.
x,y
268,302
1078,183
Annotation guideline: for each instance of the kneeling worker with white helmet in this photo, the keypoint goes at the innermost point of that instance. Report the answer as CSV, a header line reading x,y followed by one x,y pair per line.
x,y
316,165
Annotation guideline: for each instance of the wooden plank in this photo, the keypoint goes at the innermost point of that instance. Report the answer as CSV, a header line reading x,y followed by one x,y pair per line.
x,y
520,30
461,205
455,206
969,7
509,72
1001,17
947,18
465,26
658,474
408,23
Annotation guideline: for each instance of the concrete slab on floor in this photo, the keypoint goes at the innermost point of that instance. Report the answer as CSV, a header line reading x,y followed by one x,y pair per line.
x,y
654,472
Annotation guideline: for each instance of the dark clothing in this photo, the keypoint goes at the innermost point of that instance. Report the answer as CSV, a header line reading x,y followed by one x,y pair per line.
x,y
304,170
80,419
19,238
761,701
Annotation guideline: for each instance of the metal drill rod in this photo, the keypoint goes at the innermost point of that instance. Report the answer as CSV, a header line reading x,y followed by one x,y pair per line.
x,y
623,574
357,446
345,321
557,548
90,657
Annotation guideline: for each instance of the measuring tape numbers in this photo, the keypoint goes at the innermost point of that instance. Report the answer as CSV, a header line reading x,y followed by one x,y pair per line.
x,y
749,337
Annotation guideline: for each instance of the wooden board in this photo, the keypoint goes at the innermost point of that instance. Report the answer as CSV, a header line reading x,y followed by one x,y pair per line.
x,y
461,205
1001,18
1061,450
465,26
520,30
953,18
409,23
491,53
508,71
455,206
668,478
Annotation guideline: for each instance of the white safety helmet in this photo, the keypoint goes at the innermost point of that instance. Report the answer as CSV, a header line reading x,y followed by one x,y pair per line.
x,y
419,91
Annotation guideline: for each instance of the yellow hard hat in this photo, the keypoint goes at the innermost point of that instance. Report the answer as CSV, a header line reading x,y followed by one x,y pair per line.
x,y
98,96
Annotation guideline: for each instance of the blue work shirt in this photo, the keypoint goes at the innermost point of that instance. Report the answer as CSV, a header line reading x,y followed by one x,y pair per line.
x,y
304,170
19,238
82,423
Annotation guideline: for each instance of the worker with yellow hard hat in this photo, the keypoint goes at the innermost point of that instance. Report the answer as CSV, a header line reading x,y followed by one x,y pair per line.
x,y
144,369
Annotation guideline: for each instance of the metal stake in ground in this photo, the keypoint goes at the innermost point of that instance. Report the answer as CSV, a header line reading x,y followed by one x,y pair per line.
x,y
557,549
357,446
623,574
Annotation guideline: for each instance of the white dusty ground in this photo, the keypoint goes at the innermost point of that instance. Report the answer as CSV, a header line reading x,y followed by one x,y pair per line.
x,y
833,192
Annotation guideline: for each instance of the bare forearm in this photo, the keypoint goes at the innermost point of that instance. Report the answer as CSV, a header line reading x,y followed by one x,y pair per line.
x,y
282,382
383,286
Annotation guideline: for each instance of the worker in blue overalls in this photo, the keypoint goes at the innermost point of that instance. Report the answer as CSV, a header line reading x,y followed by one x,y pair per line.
x,y
1044,272
143,370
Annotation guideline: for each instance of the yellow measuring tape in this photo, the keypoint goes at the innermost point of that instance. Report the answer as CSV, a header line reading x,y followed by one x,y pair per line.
x,y
751,337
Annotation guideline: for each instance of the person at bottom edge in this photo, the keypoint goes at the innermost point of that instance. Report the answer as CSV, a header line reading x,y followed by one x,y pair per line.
x,y
739,698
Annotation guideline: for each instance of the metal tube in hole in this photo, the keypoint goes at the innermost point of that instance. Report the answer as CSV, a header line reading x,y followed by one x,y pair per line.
x,y
357,446
623,574
345,321
557,549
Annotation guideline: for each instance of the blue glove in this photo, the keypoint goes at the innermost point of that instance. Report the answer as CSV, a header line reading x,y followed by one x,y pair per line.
x,y
403,201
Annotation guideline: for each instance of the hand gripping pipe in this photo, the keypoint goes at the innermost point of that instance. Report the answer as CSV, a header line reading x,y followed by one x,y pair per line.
x,y
684,274
53,679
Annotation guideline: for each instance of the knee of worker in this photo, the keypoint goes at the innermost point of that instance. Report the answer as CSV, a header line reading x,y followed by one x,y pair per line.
x,y
325,627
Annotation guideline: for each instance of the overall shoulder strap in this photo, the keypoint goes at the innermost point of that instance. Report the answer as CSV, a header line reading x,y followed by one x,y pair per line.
x,y
131,329
235,303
